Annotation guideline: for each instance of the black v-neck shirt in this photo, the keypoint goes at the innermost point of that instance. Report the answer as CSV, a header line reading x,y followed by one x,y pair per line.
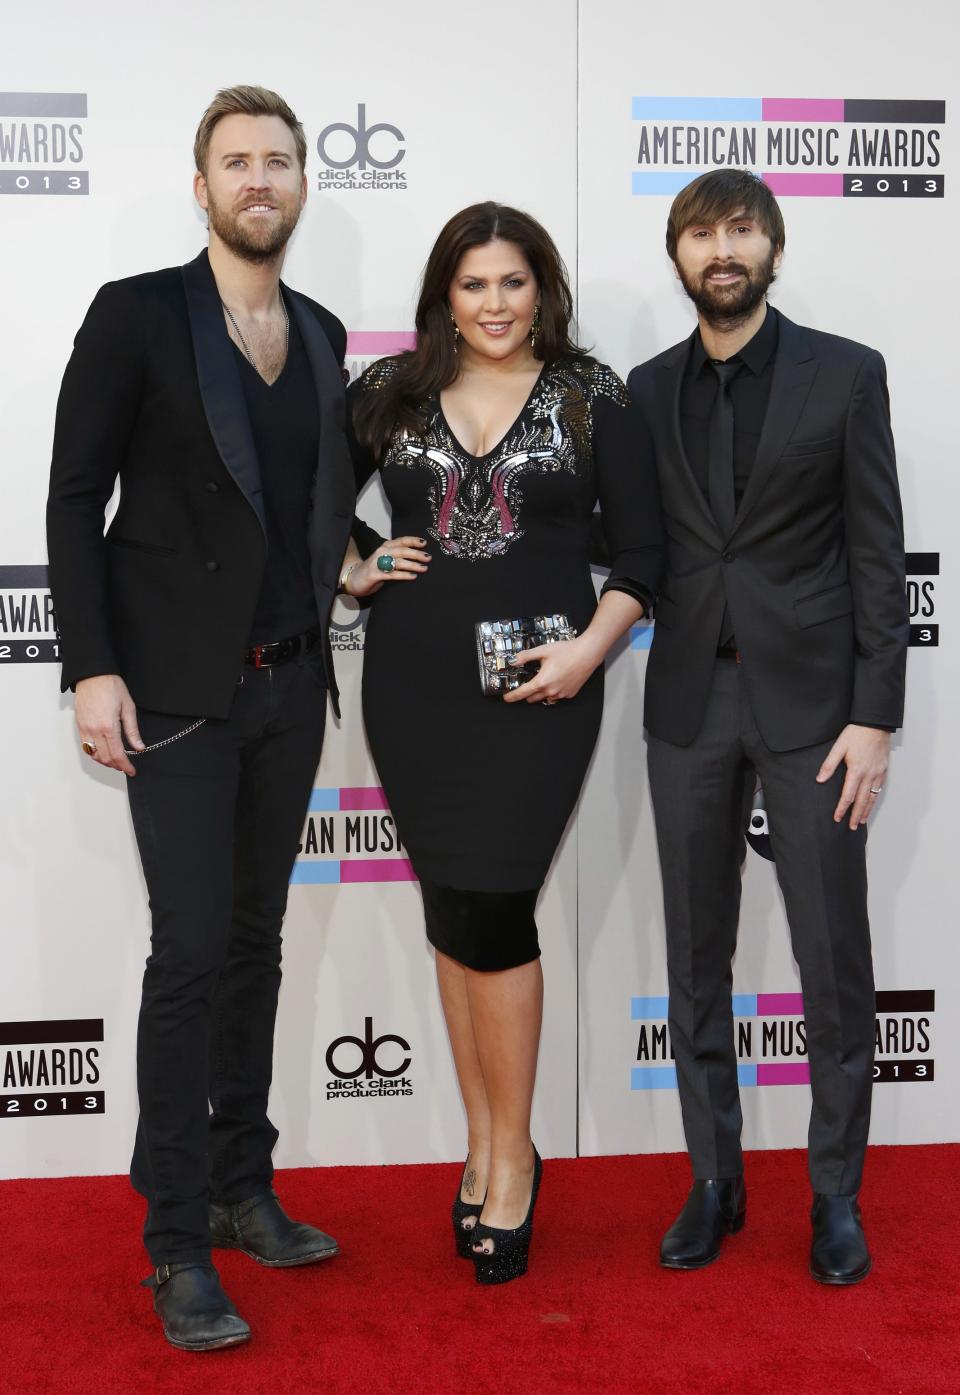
x,y
285,420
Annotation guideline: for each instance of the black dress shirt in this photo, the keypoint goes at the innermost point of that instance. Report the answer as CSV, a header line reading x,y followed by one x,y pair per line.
x,y
285,421
749,395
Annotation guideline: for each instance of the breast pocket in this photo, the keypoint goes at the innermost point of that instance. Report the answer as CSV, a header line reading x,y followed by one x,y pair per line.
x,y
824,445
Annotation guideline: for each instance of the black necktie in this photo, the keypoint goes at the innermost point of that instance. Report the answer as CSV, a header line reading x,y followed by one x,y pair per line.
x,y
720,479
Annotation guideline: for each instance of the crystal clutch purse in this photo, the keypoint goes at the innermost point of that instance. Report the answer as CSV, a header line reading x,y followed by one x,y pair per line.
x,y
499,641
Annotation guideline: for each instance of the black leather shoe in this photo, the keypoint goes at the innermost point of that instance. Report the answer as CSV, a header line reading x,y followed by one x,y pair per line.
x,y
261,1229
713,1209
196,1313
839,1253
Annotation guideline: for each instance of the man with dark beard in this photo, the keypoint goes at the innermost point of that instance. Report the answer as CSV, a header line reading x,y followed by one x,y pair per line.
x,y
779,652
194,635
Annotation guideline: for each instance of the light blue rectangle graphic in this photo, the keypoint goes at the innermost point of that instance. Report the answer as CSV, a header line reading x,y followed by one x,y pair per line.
x,y
662,181
641,636
653,1078
316,873
746,1075
323,801
648,1007
744,1004
698,108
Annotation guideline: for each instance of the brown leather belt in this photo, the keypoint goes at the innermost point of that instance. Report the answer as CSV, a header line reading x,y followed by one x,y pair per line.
x,y
281,651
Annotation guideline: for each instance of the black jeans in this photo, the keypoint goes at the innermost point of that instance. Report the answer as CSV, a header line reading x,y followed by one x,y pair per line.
x,y
218,817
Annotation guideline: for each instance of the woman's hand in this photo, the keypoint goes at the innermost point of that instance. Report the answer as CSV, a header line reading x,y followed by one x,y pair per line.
x,y
565,666
409,559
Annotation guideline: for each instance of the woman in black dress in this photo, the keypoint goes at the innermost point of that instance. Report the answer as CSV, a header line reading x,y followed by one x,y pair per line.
x,y
495,439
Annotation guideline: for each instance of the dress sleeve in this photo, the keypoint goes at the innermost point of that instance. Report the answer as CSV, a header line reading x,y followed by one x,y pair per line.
x,y
628,493
365,463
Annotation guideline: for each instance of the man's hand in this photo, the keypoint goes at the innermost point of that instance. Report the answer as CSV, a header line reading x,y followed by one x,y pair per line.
x,y
865,752
106,714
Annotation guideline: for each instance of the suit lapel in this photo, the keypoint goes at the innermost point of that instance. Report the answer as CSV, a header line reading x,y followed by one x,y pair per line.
x,y
794,370
673,368
220,388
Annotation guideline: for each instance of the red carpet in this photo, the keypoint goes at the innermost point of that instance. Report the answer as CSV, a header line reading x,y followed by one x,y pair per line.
x,y
398,1314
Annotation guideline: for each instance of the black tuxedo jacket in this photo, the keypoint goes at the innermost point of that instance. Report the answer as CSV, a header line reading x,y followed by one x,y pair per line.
x,y
813,569
152,396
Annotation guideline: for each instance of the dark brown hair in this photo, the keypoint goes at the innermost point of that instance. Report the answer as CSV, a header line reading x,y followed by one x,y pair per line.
x,y
433,364
245,101
720,194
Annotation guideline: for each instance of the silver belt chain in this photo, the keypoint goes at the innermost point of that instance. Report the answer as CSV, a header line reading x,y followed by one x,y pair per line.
x,y
168,740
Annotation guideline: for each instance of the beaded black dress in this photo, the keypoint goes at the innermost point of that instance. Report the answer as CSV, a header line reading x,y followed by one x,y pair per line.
x,y
481,789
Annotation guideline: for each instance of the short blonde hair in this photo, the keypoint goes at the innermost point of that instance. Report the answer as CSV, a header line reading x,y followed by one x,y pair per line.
x,y
245,101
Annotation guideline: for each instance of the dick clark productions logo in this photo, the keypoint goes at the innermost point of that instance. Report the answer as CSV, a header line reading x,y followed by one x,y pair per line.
x,y
361,156
375,1073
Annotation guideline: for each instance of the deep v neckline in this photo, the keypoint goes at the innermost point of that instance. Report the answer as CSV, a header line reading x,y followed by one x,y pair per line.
x,y
506,435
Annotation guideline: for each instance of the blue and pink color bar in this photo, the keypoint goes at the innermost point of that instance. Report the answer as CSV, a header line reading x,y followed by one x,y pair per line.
x,y
785,110
334,871
744,1005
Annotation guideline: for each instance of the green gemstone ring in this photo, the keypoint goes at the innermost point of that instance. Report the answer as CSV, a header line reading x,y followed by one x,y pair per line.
x,y
385,562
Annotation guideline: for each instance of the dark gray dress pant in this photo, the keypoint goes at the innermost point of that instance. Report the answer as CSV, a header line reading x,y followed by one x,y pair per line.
x,y
702,795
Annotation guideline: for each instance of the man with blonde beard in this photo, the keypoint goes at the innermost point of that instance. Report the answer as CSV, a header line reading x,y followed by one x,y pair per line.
x,y
195,637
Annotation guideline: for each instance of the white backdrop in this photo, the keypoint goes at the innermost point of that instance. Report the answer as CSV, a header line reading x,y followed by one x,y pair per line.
x,y
562,112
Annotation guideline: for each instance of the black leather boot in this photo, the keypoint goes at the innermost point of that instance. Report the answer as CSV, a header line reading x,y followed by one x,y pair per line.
x,y
713,1209
261,1229
839,1253
196,1313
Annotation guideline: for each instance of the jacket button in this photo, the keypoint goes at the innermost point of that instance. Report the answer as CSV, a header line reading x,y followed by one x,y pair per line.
x,y
212,487
213,566
729,556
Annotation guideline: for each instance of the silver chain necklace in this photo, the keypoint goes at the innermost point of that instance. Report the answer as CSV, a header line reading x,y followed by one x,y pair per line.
x,y
243,343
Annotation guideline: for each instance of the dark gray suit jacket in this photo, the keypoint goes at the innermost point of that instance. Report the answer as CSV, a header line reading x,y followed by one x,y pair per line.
x,y
152,396
813,569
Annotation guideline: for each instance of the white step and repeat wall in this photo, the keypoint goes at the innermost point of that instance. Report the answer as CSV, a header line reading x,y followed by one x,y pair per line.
x,y
590,116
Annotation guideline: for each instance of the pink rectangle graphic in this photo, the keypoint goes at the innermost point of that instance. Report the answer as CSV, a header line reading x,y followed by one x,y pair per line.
x,y
811,186
789,1073
802,108
377,869
779,1004
375,343
363,797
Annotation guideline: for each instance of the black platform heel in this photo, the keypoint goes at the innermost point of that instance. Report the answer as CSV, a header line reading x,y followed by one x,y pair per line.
x,y
511,1248
462,1211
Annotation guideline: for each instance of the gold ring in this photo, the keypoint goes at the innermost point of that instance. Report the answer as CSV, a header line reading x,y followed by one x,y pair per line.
x,y
89,748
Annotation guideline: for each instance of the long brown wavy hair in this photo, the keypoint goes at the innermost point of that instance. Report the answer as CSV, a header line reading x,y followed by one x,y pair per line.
x,y
433,364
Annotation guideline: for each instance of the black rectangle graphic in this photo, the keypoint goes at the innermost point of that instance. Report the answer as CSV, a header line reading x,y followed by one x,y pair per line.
x,y
902,1072
924,636
893,186
55,1105
906,1000
28,578
880,112
29,651
57,1030
923,564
